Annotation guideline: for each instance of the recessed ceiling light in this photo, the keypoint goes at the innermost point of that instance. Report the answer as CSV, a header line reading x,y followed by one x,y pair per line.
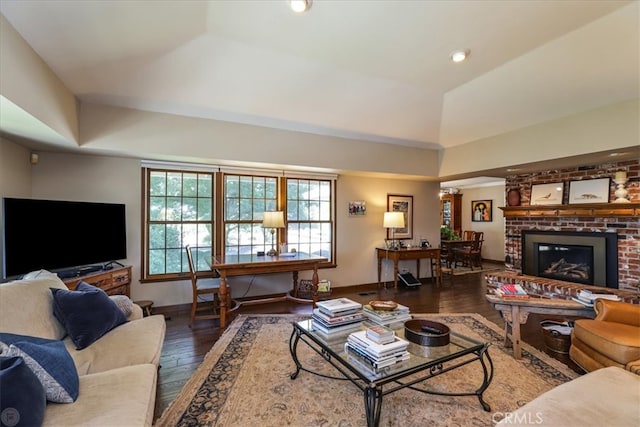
x,y
300,6
459,55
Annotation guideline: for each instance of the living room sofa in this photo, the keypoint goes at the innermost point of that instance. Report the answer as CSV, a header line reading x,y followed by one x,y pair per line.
x,y
117,373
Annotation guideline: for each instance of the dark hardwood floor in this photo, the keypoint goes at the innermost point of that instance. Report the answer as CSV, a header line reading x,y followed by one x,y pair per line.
x,y
185,347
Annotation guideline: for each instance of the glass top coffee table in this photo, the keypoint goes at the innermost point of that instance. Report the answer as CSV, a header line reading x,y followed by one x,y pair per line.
x,y
424,363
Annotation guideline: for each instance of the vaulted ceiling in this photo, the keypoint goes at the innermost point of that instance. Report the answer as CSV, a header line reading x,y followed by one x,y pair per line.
x,y
372,70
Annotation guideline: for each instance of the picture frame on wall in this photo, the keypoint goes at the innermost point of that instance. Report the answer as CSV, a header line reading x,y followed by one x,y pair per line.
x,y
357,208
589,191
482,210
404,204
547,194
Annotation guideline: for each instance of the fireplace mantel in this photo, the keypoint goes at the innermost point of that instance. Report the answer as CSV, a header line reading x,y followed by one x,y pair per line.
x,y
574,211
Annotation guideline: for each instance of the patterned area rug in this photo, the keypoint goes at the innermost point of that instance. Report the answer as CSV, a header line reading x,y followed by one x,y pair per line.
x,y
245,381
461,271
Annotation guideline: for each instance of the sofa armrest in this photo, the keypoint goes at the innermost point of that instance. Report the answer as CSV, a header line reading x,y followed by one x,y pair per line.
x,y
136,313
617,311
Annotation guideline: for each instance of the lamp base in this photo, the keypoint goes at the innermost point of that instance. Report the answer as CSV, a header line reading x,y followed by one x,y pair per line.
x,y
272,252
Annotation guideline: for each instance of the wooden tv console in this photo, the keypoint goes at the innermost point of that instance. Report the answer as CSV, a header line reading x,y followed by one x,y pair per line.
x,y
116,281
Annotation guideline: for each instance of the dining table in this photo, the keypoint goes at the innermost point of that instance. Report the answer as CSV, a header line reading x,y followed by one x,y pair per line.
x,y
448,248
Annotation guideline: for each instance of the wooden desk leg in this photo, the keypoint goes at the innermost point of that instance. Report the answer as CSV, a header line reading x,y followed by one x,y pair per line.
x,y
294,291
315,280
395,272
418,269
379,270
224,299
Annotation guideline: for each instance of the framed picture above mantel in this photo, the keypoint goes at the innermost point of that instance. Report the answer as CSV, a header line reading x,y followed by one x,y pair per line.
x,y
589,191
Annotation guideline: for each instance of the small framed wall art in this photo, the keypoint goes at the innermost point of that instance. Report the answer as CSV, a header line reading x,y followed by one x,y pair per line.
x,y
589,191
357,208
547,194
481,210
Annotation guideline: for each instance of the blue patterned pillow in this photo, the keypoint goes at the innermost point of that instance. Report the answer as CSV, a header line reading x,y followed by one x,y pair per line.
x,y
22,398
49,360
86,313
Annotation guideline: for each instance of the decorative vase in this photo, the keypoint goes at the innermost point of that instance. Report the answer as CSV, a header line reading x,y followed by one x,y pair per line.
x,y
513,197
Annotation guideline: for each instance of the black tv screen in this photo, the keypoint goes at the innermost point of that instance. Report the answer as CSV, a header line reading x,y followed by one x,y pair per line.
x,y
56,235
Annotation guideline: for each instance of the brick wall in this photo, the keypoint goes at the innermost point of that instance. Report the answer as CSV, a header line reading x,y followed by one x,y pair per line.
x,y
628,229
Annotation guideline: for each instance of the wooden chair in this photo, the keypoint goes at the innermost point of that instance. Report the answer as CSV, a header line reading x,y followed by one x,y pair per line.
x,y
468,234
202,283
471,256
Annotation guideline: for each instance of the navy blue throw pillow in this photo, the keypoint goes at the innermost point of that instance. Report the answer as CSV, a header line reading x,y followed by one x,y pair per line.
x,y
22,397
87,313
49,360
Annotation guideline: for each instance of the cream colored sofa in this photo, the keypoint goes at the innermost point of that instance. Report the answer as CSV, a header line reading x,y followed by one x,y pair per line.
x,y
117,373
605,397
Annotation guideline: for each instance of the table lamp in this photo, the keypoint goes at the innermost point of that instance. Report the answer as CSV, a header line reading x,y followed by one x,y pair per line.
x,y
273,220
393,220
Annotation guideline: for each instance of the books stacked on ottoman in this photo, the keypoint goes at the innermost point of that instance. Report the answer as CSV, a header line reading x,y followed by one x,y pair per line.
x,y
336,317
393,319
376,349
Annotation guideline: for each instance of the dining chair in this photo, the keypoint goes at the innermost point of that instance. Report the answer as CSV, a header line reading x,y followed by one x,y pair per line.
x,y
471,256
203,283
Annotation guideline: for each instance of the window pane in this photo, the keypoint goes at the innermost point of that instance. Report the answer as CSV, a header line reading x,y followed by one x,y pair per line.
x,y
158,184
174,183
190,185
205,186
156,236
157,208
180,212
244,233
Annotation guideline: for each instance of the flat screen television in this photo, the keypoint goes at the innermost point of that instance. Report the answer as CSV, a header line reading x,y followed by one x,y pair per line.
x,y
60,235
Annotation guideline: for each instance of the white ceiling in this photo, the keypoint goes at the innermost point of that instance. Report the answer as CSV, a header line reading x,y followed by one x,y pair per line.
x,y
375,70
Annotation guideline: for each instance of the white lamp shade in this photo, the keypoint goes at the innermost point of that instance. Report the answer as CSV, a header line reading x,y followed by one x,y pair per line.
x,y
393,220
273,219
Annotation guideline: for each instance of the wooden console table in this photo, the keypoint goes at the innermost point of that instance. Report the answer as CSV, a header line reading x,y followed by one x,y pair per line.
x,y
116,281
395,255
242,265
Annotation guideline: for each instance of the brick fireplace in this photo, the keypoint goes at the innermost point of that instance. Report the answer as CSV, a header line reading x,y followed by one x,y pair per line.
x,y
570,219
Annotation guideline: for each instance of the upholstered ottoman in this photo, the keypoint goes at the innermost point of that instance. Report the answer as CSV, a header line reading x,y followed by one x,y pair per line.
x,y
605,397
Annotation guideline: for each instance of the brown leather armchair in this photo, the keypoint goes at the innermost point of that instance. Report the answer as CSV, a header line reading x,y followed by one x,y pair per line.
x,y
611,339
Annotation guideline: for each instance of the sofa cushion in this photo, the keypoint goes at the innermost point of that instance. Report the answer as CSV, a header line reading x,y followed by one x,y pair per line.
x,y
136,342
49,361
22,397
119,397
124,303
87,313
26,308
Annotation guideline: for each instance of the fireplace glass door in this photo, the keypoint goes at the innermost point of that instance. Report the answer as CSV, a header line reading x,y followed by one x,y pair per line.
x,y
572,263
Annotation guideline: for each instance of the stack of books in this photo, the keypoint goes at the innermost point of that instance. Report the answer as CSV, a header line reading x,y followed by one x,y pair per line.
x,y
376,357
337,317
588,298
511,291
393,319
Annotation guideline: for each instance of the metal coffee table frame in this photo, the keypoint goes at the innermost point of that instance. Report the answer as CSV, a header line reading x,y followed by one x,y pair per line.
x,y
375,387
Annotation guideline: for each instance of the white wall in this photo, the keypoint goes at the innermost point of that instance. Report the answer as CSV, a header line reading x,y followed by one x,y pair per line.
x,y
15,175
493,246
118,180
